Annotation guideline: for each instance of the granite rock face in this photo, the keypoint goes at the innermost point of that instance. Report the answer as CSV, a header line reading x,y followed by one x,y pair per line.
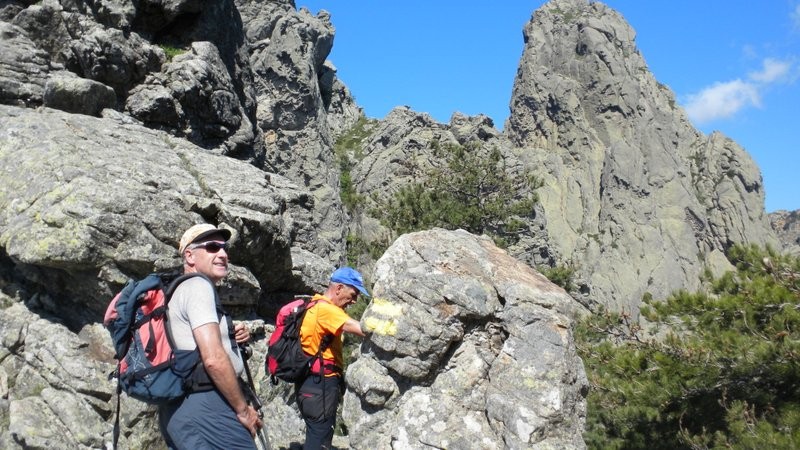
x,y
25,68
787,225
108,200
634,196
470,348
295,92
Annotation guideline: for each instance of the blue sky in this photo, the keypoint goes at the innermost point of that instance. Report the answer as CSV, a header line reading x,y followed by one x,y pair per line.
x,y
734,65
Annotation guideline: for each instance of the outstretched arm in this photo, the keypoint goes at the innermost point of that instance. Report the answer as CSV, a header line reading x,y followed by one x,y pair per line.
x,y
353,326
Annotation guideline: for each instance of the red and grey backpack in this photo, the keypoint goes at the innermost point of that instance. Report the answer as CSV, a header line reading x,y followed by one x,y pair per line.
x,y
286,359
150,368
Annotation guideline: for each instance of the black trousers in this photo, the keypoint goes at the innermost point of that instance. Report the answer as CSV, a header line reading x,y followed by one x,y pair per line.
x,y
318,398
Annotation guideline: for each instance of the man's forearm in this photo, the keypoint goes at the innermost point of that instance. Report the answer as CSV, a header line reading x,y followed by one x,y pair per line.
x,y
221,372
354,327
218,365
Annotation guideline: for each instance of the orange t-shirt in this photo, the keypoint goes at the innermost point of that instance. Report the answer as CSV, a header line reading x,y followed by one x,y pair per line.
x,y
321,319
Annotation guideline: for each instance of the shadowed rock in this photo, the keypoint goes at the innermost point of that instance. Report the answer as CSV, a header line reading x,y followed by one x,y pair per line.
x,y
78,95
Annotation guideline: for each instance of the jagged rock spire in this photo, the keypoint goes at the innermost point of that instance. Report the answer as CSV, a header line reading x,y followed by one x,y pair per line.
x,y
635,197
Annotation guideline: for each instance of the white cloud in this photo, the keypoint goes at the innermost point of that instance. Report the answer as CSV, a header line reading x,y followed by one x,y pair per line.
x,y
773,70
722,100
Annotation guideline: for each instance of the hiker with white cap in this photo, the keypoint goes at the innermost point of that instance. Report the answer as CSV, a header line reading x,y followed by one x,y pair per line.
x,y
318,396
217,415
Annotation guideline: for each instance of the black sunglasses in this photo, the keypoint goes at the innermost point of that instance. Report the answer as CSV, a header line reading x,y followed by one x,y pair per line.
x,y
210,246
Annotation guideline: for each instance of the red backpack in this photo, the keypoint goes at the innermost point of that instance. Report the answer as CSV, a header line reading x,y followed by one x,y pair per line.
x,y
286,359
149,368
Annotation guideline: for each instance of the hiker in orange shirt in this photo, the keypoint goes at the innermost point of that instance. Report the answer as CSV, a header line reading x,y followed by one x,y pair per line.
x,y
318,396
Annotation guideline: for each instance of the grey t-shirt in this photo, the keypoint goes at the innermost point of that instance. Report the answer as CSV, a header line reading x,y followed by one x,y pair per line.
x,y
191,306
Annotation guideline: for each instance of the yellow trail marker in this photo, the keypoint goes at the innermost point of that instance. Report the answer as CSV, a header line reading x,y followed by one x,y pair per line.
x,y
380,326
384,308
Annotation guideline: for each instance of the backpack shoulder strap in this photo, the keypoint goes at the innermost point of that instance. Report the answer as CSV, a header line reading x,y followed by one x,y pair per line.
x,y
327,338
172,284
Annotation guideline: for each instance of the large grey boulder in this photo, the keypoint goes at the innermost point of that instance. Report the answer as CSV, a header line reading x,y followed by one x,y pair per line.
x,y
187,22
78,95
471,349
195,95
104,200
115,58
44,23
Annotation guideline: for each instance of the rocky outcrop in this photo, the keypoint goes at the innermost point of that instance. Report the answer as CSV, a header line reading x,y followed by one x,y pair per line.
x,y
24,68
195,95
635,199
106,200
294,91
787,225
342,110
246,79
471,349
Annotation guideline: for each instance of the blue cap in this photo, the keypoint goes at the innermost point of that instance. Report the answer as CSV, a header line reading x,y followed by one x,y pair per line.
x,y
349,276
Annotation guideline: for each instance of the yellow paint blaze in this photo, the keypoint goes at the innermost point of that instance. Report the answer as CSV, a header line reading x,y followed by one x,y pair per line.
x,y
380,326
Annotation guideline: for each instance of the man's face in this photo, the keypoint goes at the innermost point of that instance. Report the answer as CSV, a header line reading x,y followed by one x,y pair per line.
x,y
345,295
209,257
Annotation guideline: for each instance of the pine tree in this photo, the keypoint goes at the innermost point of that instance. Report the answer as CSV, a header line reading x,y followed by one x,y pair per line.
x,y
467,188
716,369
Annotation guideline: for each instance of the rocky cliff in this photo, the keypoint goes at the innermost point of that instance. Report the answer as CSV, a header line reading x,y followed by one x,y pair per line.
x,y
122,123
636,197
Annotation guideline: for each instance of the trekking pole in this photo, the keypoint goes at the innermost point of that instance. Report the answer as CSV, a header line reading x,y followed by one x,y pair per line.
x,y
263,439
